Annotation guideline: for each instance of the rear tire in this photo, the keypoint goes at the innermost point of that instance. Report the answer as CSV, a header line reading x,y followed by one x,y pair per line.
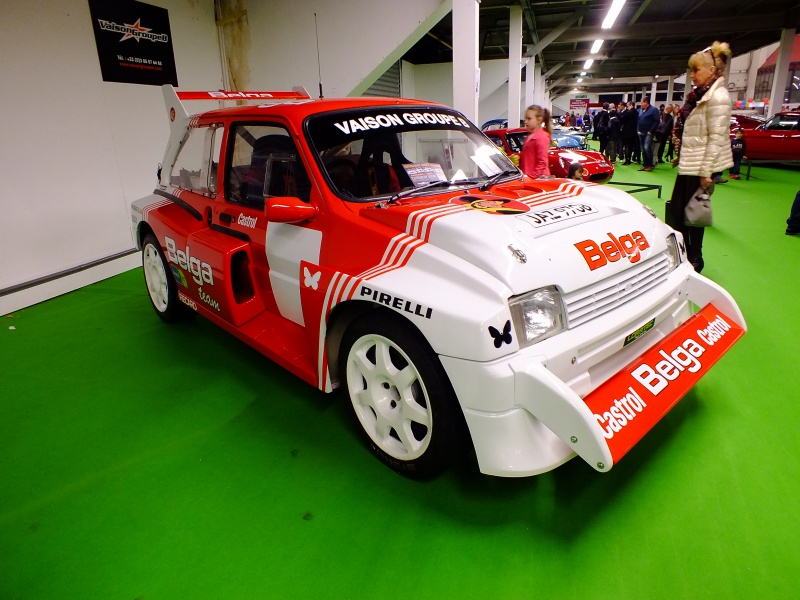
x,y
160,283
400,395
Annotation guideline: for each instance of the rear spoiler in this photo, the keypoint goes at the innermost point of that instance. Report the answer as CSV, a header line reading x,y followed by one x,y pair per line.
x,y
298,93
179,119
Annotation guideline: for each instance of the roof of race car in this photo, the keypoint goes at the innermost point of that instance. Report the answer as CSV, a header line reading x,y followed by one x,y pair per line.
x,y
302,109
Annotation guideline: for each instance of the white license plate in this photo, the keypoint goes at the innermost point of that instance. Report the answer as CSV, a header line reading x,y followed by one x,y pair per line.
x,y
540,218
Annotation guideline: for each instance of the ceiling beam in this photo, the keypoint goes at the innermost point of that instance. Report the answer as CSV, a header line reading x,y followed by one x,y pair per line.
x,y
654,51
768,22
555,33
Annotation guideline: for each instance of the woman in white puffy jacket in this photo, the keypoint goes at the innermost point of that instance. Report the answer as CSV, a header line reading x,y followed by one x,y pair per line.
x,y
703,135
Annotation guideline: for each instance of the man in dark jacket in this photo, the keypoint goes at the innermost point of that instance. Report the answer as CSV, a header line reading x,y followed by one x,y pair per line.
x,y
628,122
793,222
601,127
646,128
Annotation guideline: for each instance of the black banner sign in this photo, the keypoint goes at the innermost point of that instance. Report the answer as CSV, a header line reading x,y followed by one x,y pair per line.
x,y
134,42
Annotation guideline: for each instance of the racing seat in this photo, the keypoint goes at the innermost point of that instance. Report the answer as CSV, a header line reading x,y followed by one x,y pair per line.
x,y
275,170
373,175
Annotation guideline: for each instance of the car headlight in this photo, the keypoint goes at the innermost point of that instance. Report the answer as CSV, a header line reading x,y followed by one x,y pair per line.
x,y
676,251
537,315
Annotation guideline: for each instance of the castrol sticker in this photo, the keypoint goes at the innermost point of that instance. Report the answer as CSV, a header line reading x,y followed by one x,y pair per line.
x,y
629,404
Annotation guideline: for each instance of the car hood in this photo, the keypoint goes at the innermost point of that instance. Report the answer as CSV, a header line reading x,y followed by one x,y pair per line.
x,y
544,232
585,156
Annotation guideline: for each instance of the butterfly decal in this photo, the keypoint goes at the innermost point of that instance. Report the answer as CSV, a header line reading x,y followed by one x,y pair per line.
x,y
501,338
311,281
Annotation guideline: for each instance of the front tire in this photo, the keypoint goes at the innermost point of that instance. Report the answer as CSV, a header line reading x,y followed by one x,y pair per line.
x,y
160,283
400,395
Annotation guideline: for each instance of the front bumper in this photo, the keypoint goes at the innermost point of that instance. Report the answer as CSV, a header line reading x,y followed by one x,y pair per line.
x,y
606,402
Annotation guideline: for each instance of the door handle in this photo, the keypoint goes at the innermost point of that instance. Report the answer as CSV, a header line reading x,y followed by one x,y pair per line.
x,y
225,218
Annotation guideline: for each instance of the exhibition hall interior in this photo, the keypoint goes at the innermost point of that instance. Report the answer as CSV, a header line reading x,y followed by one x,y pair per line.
x,y
433,298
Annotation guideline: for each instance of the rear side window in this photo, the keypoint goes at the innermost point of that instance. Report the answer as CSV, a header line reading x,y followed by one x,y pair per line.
x,y
195,168
782,122
264,162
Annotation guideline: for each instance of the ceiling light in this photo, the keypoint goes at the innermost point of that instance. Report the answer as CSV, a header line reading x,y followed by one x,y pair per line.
x,y
613,13
588,64
656,76
584,73
580,79
596,47
612,79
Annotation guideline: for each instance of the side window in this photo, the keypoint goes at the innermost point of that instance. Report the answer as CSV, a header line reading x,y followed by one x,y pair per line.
x,y
196,165
782,123
264,162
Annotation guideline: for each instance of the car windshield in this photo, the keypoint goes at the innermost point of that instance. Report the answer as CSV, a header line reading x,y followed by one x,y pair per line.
x,y
516,140
568,139
380,151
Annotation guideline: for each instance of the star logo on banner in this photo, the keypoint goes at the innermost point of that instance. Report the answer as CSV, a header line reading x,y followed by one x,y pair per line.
x,y
311,281
136,27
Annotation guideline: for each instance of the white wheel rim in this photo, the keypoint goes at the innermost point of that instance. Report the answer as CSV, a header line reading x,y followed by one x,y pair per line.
x,y
156,278
389,397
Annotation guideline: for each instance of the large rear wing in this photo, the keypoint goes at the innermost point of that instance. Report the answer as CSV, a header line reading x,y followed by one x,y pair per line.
x,y
298,93
179,118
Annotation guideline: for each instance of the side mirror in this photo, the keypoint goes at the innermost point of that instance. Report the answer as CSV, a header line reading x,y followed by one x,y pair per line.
x,y
288,209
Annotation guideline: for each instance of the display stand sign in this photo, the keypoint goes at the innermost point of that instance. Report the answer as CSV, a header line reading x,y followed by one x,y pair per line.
x,y
578,105
134,42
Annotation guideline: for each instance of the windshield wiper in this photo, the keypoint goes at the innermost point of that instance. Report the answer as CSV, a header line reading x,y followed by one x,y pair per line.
x,y
427,186
496,178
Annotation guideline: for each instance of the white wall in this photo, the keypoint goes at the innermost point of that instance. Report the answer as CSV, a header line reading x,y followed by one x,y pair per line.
x,y
74,150
434,82
358,40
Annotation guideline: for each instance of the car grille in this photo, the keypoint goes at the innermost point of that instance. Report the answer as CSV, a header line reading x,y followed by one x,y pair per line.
x,y
597,299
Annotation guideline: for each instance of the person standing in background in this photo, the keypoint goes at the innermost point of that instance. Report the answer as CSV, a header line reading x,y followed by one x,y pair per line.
x,y
669,122
533,159
613,146
739,151
601,125
703,131
628,131
646,128
793,222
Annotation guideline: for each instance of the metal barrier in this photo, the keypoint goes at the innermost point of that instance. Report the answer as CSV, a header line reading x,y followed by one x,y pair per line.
x,y
750,162
640,187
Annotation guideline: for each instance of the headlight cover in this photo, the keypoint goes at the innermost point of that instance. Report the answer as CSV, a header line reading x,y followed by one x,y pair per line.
x,y
675,251
537,315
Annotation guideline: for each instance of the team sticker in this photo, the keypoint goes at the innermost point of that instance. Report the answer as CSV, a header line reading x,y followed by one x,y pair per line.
x,y
493,205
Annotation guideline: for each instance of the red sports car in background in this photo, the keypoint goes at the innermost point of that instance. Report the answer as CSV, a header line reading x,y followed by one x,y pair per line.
x,y
777,139
568,150
745,121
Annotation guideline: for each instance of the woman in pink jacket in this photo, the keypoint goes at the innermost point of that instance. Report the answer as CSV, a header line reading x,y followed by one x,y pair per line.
x,y
533,159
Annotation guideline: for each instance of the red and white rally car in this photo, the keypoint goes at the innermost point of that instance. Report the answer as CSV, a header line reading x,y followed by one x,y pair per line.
x,y
388,248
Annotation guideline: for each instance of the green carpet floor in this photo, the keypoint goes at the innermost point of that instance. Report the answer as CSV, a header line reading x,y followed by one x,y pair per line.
x,y
145,461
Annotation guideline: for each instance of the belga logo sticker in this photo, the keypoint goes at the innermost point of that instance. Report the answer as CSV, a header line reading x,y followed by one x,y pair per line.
x,y
493,205
201,271
600,254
